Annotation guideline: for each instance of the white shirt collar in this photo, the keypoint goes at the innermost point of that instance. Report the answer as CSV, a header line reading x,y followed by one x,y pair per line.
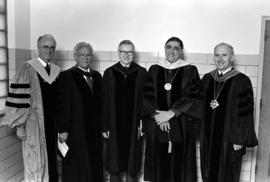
x,y
124,65
225,71
88,70
43,62
179,63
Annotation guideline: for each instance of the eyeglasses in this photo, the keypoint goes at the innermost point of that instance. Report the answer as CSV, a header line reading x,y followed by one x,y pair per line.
x,y
175,48
126,52
48,47
82,56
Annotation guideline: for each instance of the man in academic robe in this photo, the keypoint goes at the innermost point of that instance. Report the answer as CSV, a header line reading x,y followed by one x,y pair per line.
x,y
79,106
171,112
227,119
122,86
30,108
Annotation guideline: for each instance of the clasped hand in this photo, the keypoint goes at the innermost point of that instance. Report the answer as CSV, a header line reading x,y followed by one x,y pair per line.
x,y
162,119
163,116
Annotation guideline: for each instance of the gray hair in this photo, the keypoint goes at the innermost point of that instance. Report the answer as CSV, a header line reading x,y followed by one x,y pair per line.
x,y
82,44
229,46
45,36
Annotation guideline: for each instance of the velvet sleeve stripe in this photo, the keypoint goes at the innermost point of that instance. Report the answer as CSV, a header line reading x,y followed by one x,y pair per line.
x,y
21,96
20,85
16,105
245,103
246,93
245,112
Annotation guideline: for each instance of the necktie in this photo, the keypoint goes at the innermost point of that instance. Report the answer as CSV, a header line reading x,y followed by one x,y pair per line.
x,y
88,79
48,69
89,82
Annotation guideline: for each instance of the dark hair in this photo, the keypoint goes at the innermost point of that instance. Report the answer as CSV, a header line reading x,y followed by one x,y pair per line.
x,y
177,40
126,42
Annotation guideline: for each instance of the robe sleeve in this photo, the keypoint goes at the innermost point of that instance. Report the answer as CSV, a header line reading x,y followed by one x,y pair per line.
x,y
18,100
149,104
189,103
107,88
242,128
64,102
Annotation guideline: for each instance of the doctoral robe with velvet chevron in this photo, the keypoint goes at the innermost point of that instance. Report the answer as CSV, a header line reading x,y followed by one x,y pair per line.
x,y
121,117
183,99
230,123
25,111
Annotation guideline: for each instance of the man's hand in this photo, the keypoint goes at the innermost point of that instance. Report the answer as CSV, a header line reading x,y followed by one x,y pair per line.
x,y
165,126
237,147
106,134
140,133
163,116
20,132
63,137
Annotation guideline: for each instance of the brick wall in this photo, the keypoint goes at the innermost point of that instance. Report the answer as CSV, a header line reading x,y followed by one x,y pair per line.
x,y
247,64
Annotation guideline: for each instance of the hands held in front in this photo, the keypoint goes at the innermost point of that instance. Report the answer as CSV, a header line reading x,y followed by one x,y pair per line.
x,y
63,137
106,134
20,132
165,126
163,116
237,147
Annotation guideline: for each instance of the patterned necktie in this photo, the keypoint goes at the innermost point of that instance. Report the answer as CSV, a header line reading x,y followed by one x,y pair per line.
x,y
48,69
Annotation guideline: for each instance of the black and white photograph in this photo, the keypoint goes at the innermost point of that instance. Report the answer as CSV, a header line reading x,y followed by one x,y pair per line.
x,y
134,91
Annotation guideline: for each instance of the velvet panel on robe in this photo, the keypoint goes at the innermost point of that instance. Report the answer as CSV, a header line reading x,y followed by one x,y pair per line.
x,y
48,92
230,123
24,111
184,100
121,117
78,114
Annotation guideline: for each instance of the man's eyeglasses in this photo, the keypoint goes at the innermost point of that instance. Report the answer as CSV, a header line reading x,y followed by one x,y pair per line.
x,y
85,56
48,47
126,52
175,48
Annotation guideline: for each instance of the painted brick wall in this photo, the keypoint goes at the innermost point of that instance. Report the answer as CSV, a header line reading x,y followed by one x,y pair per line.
x,y
247,64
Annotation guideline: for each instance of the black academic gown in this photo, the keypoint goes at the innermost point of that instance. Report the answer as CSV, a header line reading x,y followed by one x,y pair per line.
x,y
183,99
79,111
230,123
48,92
121,108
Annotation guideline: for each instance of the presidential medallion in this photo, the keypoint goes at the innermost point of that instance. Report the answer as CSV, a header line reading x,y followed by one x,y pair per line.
x,y
168,86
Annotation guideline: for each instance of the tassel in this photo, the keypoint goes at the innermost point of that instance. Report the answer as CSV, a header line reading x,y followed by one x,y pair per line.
x,y
169,143
169,147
